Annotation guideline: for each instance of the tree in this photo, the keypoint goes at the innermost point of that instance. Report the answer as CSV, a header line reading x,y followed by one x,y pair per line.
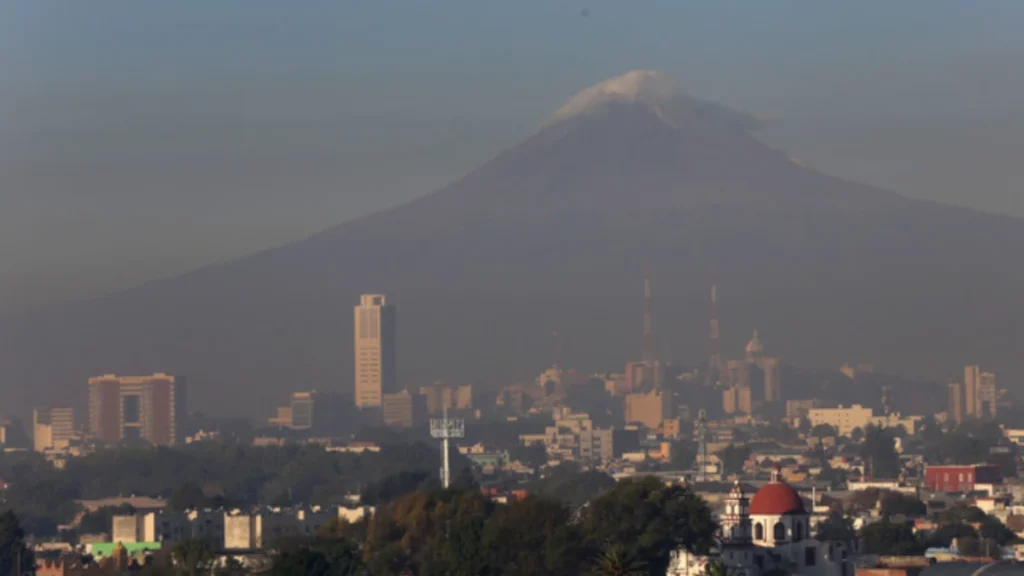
x,y
992,529
618,561
535,536
188,496
733,457
390,487
857,434
193,556
836,528
15,557
717,568
99,521
650,519
895,503
890,539
575,489
533,456
824,431
878,450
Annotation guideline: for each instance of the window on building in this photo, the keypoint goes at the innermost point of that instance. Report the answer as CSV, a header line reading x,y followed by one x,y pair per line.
x,y
810,556
758,531
798,531
780,531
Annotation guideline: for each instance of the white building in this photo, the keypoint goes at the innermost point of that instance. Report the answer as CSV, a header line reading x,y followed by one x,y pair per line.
x,y
771,532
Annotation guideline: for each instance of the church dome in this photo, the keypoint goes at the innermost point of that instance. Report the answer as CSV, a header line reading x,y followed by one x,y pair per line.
x,y
776,499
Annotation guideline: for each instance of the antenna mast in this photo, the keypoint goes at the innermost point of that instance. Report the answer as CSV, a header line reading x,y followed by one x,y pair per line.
x,y
648,355
715,360
702,451
446,428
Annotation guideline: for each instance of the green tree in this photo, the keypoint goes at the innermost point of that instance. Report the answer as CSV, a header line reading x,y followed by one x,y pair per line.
x,y
619,561
733,457
15,557
896,503
890,539
880,453
650,520
718,568
836,528
534,455
193,556
576,489
188,496
824,431
392,486
99,521
535,536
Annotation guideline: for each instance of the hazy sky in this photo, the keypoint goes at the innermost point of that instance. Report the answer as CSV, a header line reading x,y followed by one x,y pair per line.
x,y
139,139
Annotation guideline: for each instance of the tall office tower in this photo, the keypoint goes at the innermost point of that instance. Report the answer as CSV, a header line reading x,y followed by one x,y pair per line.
x,y
772,378
729,400
52,427
744,400
956,402
375,354
972,374
988,395
150,408
105,408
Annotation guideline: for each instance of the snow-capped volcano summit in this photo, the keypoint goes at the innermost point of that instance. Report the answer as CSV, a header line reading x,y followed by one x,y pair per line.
x,y
649,87
654,91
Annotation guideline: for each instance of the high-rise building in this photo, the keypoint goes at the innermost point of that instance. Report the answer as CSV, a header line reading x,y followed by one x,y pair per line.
x,y
988,395
955,410
729,400
648,409
439,396
375,350
972,374
744,400
772,379
52,428
403,409
150,408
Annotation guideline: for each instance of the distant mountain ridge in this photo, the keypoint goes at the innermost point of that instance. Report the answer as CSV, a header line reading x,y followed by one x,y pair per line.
x,y
554,234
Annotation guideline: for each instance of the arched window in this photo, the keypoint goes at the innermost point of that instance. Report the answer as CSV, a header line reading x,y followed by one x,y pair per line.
x,y
780,531
798,531
758,531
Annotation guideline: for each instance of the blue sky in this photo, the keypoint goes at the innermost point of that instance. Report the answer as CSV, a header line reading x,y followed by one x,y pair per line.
x,y
139,139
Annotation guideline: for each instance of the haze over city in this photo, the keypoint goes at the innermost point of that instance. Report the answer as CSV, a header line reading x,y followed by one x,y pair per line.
x,y
535,288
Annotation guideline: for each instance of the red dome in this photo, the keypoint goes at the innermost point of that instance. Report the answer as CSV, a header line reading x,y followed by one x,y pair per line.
x,y
776,499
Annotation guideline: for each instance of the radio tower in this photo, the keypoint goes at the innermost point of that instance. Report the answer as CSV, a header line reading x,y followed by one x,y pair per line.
x,y
648,356
446,428
702,450
715,360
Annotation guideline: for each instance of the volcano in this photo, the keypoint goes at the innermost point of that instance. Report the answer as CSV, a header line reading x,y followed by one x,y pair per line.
x,y
555,234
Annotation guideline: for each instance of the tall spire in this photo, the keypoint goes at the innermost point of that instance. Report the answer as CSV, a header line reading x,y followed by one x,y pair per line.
x,y
648,355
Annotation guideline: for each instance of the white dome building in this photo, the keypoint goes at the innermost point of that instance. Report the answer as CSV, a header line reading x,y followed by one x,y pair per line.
x,y
769,534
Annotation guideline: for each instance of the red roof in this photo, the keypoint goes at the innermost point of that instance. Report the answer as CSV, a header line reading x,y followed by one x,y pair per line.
x,y
776,499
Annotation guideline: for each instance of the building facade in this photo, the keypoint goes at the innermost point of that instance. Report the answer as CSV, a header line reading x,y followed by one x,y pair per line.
x,y
961,478
52,428
150,408
648,409
375,351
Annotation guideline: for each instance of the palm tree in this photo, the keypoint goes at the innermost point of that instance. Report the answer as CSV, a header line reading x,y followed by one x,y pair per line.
x,y
617,561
